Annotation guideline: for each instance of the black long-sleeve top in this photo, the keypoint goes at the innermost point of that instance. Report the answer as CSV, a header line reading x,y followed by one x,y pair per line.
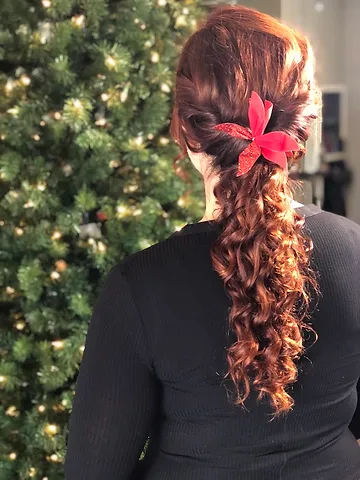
x,y
155,360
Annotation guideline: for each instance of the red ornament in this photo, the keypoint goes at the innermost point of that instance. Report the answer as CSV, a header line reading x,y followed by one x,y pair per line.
x,y
101,216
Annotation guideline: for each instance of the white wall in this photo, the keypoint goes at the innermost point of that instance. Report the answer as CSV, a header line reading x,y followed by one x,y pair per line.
x,y
271,7
325,30
352,79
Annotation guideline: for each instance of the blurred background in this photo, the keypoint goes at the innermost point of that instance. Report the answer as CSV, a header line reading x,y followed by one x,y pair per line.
x,y
90,175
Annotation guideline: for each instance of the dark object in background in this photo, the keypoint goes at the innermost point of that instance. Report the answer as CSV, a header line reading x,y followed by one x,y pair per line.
x,y
337,178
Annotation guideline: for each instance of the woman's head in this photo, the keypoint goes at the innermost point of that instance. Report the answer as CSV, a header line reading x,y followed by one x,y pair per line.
x,y
261,254
238,51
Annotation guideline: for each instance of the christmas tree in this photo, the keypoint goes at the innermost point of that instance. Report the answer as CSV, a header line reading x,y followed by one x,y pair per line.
x,y
86,178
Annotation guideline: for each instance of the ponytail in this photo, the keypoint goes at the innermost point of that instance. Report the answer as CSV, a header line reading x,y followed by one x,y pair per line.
x,y
263,257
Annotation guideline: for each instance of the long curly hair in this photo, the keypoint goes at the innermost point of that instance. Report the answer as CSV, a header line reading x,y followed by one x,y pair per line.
x,y
262,253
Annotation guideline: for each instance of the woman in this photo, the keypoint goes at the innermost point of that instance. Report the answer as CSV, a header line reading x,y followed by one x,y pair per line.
x,y
234,346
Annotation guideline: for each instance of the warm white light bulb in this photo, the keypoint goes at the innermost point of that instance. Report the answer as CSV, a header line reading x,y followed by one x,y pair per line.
x,y
58,344
155,57
56,235
101,247
110,62
55,275
25,80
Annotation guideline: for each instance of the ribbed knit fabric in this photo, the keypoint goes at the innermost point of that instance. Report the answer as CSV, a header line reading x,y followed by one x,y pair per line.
x,y
155,360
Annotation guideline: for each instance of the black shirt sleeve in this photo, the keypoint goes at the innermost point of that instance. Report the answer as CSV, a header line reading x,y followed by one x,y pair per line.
x,y
115,400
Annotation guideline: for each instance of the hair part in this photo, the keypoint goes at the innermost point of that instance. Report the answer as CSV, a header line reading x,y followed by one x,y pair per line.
x,y
262,253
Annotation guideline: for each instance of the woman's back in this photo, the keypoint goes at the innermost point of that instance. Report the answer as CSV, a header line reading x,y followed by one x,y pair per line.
x,y
171,301
203,342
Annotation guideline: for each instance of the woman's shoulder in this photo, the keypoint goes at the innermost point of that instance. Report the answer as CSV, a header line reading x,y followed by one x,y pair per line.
x,y
159,259
326,221
333,234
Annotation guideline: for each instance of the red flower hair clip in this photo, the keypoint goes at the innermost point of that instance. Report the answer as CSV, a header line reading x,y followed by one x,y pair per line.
x,y
272,146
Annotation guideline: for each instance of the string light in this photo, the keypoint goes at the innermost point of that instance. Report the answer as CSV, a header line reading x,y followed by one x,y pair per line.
x,y
12,456
162,3
57,116
110,62
67,169
41,408
41,187
32,472
181,21
148,44
101,247
36,137
114,164
131,188
101,122
82,348
46,32
136,21
3,379
150,136
123,211
46,3
12,411
58,344
105,97
78,105
29,204
54,457
55,275
51,429
14,111
181,202
10,290
19,231
143,26
25,80
164,141
137,212
42,123
139,140
125,93
78,21
20,325
56,235
9,86
165,88
155,57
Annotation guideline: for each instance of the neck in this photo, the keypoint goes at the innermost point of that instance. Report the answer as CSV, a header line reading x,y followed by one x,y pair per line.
x,y
211,202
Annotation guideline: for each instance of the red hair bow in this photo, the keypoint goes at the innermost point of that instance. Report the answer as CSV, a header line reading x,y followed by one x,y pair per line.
x,y
272,146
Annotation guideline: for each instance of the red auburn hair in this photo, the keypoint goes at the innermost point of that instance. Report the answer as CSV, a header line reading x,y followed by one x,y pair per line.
x,y
262,253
